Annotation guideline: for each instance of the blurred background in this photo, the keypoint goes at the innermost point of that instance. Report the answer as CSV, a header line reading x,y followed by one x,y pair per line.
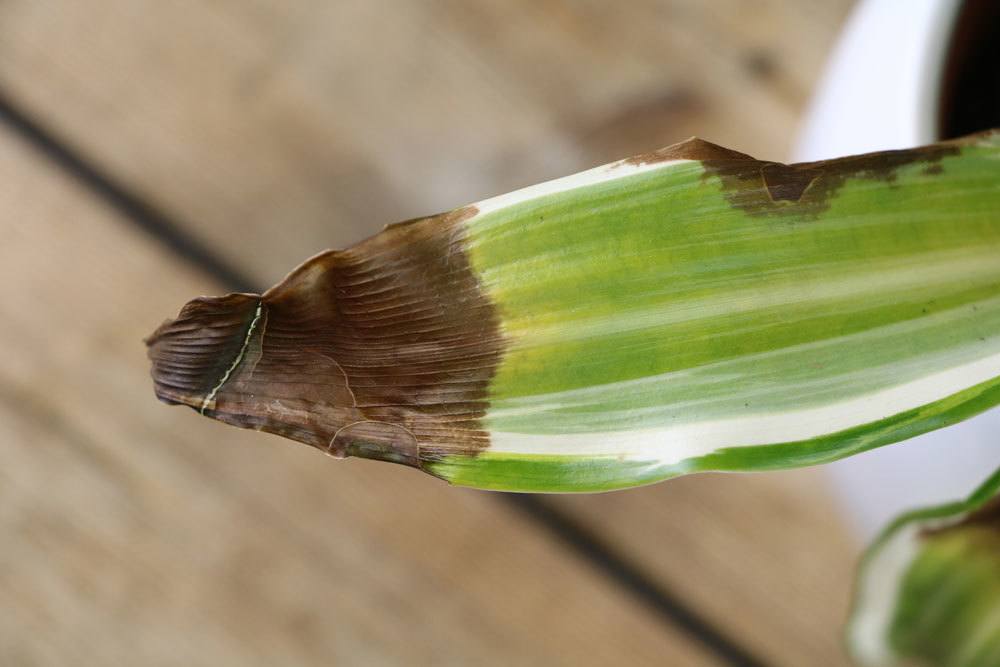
x,y
153,151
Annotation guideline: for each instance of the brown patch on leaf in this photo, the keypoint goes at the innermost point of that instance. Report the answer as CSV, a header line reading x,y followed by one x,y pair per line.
x,y
762,188
689,149
383,350
191,353
986,516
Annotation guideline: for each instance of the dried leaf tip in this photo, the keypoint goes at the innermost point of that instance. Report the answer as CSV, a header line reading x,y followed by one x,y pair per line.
x,y
192,353
384,350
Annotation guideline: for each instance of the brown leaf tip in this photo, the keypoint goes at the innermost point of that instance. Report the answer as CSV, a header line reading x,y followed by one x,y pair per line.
x,y
383,350
191,353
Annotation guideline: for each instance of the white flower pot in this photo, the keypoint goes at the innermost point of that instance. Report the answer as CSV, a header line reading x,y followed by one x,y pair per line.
x,y
883,89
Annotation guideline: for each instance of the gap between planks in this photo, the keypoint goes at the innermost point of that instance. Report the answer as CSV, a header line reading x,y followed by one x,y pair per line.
x,y
570,533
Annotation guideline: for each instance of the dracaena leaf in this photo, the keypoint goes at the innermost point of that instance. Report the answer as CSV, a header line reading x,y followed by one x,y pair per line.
x,y
929,589
690,309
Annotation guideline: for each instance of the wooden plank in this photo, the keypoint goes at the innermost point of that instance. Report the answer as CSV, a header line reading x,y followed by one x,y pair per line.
x,y
250,120
764,556
138,534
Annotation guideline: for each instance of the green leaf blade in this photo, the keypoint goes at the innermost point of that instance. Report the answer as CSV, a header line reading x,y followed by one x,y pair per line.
x,y
652,319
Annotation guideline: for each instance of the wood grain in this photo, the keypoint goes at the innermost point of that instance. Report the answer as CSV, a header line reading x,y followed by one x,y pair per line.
x,y
138,534
299,126
274,130
763,555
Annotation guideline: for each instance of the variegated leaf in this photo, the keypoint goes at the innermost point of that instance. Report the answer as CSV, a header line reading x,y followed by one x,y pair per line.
x,y
690,309
929,589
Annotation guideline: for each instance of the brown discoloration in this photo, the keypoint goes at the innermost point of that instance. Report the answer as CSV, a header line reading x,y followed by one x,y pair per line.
x,y
762,188
690,149
986,516
384,350
191,354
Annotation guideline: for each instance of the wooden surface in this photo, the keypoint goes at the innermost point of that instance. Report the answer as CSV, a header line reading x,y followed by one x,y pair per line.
x,y
138,534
